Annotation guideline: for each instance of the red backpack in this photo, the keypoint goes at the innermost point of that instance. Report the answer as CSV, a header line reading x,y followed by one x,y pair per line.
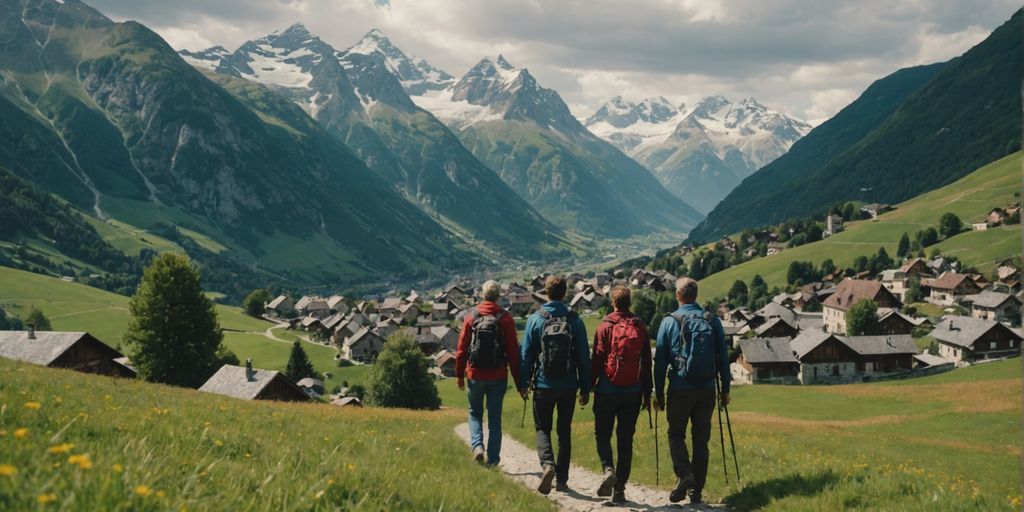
x,y
622,365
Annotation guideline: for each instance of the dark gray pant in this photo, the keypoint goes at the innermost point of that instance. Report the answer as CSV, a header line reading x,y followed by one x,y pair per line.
x,y
696,408
609,407
545,403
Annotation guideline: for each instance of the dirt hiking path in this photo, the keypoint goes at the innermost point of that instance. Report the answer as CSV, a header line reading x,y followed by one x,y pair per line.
x,y
519,462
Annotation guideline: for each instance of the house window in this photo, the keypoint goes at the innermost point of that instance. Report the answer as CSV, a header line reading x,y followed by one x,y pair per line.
x,y
992,346
835,370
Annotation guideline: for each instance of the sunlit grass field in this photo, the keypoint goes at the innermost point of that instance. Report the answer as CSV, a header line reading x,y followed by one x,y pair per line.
x,y
70,441
946,442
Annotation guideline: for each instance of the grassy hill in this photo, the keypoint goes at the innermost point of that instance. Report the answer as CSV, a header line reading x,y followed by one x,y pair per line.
x,y
94,443
946,442
971,198
76,307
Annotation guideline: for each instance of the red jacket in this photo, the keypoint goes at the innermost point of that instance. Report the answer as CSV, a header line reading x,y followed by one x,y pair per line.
x,y
602,346
508,333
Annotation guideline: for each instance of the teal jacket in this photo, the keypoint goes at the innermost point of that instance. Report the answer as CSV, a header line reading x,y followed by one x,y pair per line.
x,y
530,352
668,332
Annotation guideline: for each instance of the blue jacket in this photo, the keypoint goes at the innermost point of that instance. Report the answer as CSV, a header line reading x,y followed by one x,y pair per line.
x,y
668,332
530,352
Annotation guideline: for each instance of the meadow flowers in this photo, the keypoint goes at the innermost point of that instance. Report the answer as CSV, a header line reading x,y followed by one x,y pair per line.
x,y
82,461
8,470
33,405
117,468
43,499
21,433
143,490
60,448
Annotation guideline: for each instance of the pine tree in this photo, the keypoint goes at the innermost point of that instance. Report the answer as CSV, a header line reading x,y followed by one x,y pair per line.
x,y
400,377
299,367
38,320
173,331
904,246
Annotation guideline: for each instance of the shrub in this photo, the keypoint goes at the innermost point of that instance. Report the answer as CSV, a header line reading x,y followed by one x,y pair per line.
x,y
400,377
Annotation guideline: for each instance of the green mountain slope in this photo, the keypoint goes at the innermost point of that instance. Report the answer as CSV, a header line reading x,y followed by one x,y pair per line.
x,y
970,198
968,114
150,139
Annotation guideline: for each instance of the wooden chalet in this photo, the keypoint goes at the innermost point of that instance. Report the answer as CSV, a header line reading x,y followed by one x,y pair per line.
x,y
850,292
767,360
998,306
950,288
248,383
445,362
79,351
965,338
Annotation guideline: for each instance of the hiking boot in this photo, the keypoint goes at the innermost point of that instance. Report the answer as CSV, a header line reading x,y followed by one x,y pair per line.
x,y
695,497
545,480
562,487
619,498
478,454
683,485
608,483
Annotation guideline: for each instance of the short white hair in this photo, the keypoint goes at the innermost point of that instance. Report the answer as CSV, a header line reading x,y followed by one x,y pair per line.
x,y
492,290
686,288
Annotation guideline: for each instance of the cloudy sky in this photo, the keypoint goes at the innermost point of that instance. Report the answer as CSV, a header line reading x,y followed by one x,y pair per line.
x,y
809,58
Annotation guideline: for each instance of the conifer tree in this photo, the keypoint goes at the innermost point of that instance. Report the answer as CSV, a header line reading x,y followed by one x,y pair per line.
x,y
38,320
173,331
299,367
904,246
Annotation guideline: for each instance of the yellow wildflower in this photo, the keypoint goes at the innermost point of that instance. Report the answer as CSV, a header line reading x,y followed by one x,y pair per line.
x,y
3,433
7,470
43,499
21,433
319,494
60,448
117,468
351,467
218,442
160,494
33,405
143,490
58,400
330,481
82,461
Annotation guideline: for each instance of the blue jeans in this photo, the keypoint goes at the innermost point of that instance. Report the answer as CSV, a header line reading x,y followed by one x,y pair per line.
x,y
494,391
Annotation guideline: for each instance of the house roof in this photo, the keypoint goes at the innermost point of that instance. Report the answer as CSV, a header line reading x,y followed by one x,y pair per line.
x,y
391,303
911,263
441,331
276,303
963,331
990,299
334,300
360,334
310,320
231,381
347,400
880,345
317,304
896,313
46,347
765,327
930,360
767,350
807,341
852,291
303,302
948,281
310,382
333,321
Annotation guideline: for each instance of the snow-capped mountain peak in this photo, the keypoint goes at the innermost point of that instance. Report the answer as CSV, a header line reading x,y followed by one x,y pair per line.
x,y
416,74
209,58
620,113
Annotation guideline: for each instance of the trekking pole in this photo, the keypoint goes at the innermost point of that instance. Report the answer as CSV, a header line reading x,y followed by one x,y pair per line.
x,y
522,422
732,443
657,452
721,431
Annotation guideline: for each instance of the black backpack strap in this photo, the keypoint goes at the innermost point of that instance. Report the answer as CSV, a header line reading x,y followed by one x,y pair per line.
x,y
544,313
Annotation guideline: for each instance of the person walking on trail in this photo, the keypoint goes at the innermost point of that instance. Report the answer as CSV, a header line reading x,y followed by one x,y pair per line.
x,y
691,349
487,352
556,357
621,371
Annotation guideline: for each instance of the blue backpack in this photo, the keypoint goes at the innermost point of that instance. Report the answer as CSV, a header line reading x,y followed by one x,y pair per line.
x,y
693,352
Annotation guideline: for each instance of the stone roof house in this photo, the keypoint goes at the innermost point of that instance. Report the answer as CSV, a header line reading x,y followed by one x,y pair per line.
x,y
79,351
998,306
850,292
248,383
965,338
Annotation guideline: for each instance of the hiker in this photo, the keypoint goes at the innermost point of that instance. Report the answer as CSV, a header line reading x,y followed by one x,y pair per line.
x,y
691,349
621,371
556,358
487,351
